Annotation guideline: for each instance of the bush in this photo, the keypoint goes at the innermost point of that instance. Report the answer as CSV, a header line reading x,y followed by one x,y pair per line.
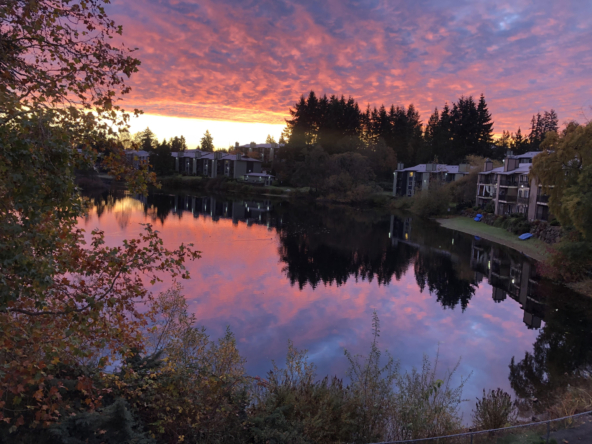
x,y
572,259
495,410
431,202
380,404
489,208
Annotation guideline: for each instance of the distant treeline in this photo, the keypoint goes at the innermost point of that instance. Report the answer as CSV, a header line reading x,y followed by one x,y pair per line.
x,y
465,128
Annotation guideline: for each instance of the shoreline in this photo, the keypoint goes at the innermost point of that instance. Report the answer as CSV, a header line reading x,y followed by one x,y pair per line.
x,y
533,248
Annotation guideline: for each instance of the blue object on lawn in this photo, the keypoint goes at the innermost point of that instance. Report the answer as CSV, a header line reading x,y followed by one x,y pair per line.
x,y
478,218
525,236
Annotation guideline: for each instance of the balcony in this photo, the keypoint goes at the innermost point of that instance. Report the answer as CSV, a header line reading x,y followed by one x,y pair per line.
x,y
507,198
486,179
506,181
542,198
524,183
523,200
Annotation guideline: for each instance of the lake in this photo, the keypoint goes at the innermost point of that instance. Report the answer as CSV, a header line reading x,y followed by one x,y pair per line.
x,y
275,270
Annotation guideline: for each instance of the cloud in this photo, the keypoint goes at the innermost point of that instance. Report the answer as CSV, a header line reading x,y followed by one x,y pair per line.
x,y
249,61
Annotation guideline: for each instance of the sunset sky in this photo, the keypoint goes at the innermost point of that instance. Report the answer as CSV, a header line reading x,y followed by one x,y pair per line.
x,y
236,67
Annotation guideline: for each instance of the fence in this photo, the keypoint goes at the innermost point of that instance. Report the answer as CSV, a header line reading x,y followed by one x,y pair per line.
x,y
530,433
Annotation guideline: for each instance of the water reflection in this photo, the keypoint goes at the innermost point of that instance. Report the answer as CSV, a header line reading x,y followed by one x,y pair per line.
x,y
275,270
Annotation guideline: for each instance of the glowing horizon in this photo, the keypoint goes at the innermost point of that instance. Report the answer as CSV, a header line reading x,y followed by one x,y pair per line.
x,y
249,62
225,133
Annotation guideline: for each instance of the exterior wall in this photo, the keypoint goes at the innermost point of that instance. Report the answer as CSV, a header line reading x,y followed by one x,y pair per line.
x,y
240,168
425,181
410,184
497,188
257,167
532,199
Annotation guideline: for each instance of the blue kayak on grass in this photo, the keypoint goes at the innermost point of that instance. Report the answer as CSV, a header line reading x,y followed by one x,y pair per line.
x,y
525,236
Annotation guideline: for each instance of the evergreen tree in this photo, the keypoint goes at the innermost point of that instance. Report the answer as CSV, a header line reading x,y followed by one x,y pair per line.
x,y
541,125
207,142
161,160
178,144
520,144
271,140
146,140
485,128
430,137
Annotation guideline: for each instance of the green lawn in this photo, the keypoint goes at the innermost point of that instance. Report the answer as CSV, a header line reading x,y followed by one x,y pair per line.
x,y
534,248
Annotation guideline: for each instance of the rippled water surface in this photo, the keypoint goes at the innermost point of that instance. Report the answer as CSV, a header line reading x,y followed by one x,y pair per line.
x,y
276,270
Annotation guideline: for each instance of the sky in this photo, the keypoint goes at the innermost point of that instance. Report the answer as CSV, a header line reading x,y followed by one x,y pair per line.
x,y
236,67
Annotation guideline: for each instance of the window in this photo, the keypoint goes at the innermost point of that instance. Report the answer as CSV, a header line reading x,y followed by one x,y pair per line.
x,y
411,174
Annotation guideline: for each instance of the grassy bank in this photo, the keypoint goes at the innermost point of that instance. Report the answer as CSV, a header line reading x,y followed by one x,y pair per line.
x,y
533,248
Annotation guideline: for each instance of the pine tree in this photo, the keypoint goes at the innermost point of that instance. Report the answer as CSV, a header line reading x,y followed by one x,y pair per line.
x,y
161,160
541,125
207,142
485,128
520,144
146,140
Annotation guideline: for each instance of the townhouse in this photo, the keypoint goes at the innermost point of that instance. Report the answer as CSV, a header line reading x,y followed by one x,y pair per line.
x,y
267,152
200,163
510,190
408,181
137,158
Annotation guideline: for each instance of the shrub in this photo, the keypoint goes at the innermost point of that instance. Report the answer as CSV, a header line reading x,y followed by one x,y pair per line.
x,y
379,404
431,202
401,203
571,260
495,410
489,208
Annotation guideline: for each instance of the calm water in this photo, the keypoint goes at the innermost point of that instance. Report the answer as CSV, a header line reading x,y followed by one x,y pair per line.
x,y
275,270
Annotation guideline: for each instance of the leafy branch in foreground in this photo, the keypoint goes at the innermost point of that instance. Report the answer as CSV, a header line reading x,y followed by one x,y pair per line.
x,y
88,315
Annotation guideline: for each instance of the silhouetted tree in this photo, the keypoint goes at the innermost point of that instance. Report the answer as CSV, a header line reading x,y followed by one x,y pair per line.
x,y
207,142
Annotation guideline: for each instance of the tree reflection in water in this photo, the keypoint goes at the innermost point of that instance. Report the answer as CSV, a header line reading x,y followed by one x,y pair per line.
x,y
331,245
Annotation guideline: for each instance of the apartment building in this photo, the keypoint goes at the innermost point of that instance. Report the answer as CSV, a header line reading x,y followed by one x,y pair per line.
x,y
267,152
408,181
200,163
137,158
510,189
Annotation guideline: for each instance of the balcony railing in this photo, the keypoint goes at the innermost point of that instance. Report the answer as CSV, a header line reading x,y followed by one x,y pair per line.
x,y
542,198
487,195
524,182
523,200
486,179
507,198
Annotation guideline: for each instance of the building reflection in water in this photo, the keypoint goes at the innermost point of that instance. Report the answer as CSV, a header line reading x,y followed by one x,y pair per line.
x,y
510,276
509,273
248,211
